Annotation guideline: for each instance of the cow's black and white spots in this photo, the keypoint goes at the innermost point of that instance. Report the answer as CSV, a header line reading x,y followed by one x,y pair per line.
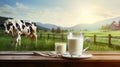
x,y
20,27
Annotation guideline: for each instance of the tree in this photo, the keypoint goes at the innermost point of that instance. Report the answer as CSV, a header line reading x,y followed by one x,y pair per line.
x,y
58,30
105,27
85,30
65,30
53,30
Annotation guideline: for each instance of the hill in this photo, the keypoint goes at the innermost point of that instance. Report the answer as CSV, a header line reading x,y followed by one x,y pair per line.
x,y
94,26
2,20
49,26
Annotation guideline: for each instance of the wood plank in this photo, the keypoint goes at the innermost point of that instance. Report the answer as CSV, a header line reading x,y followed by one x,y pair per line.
x,y
28,59
97,56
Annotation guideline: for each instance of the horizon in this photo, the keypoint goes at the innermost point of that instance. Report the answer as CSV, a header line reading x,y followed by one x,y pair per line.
x,y
65,13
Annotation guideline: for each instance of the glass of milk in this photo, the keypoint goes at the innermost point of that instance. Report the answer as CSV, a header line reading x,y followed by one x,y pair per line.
x,y
75,44
60,48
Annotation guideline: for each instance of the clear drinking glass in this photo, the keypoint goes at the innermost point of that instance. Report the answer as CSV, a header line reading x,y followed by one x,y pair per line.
x,y
75,44
60,48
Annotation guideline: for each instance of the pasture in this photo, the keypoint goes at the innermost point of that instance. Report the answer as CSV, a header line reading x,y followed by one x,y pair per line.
x,y
45,44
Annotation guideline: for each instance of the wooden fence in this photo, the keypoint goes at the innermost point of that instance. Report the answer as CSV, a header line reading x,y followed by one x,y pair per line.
x,y
95,37
53,36
109,37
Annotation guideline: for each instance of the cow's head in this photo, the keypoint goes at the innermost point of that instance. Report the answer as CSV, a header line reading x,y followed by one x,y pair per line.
x,y
8,26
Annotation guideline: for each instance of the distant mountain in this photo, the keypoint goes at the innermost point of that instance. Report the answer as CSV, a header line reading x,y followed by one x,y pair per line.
x,y
49,26
94,26
2,20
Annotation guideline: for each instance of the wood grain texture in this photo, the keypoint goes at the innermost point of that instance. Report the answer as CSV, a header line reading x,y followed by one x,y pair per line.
x,y
29,59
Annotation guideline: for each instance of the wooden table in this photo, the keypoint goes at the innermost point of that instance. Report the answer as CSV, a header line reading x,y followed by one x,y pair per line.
x,y
29,59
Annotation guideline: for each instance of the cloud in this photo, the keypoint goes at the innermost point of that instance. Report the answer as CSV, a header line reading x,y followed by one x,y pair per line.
x,y
6,10
67,16
56,16
18,11
106,12
21,6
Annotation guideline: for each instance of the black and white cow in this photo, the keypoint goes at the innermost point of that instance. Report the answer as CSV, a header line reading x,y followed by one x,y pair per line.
x,y
20,27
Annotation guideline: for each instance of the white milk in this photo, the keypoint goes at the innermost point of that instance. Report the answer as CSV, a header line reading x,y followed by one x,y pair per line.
x,y
60,48
75,45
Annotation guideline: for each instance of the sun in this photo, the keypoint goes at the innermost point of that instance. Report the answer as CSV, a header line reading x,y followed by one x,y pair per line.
x,y
88,15
86,12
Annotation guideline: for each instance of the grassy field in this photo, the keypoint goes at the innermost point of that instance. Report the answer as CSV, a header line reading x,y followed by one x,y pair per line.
x,y
101,33
115,41
48,44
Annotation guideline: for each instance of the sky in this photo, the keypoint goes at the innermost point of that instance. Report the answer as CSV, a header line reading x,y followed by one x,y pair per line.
x,y
63,13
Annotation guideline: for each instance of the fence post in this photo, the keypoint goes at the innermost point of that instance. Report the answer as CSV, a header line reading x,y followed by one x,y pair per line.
x,y
94,39
109,40
54,36
40,35
48,36
62,36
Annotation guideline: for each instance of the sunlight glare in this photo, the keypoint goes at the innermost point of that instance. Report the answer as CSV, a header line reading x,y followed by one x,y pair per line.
x,y
87,15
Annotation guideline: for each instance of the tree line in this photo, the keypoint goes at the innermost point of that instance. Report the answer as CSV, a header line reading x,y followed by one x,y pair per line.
x,y
113,26
106,27
58,30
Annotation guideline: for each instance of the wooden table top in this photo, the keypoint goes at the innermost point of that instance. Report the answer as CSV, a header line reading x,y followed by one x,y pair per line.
x,y
98,56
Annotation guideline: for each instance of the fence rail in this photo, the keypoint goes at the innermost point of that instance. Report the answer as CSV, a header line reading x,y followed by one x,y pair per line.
x,y
95,37
53,36
109,37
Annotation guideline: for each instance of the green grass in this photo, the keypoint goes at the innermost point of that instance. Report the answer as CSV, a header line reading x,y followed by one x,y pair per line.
x,y
101,47
44,44
101,33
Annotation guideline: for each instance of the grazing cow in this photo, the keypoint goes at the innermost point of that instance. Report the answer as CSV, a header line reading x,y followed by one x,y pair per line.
x,y
20,27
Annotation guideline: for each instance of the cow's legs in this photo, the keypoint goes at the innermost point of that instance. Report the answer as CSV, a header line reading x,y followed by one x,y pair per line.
x,y
18,41
36,39
12,40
